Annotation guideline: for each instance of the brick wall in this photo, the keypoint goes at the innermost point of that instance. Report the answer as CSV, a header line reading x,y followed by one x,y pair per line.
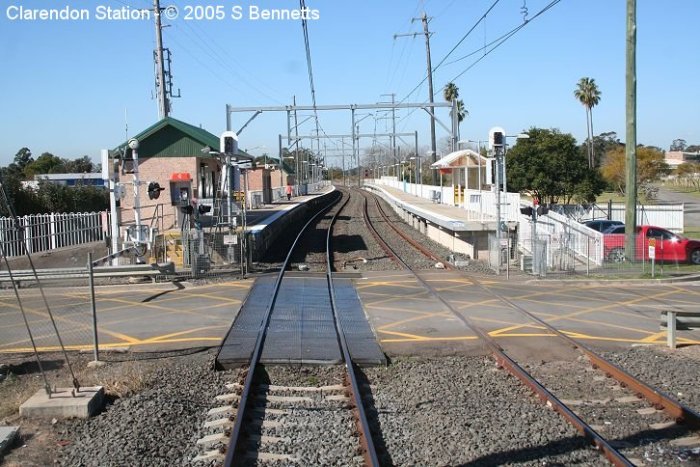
x,y
156,169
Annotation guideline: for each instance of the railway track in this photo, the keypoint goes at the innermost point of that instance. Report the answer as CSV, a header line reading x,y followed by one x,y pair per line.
x,y
630,413
312,415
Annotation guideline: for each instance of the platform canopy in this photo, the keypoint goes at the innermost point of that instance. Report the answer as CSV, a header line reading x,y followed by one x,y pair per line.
x,y
459,160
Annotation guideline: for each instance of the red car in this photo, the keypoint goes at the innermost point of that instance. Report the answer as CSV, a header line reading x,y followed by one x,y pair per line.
x,y
669,246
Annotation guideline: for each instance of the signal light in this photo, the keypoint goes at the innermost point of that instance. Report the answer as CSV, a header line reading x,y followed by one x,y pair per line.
x,y
154,190
497,138
228,145
526,211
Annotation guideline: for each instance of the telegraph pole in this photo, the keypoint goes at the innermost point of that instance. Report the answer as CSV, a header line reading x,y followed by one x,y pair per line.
x,y
631,136
433,145
163,104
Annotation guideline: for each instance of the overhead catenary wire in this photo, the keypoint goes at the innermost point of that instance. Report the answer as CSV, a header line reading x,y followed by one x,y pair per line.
x,y
481,18
507,36
221,57
307,46
498,42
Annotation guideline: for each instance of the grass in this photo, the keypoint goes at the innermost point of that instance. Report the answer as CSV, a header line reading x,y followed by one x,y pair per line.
x,y
614,196
682,189
692,232
131,378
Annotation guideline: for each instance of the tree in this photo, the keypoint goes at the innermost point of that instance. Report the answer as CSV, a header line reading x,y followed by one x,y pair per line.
x,y
693,148
23,158
78,165
550,167
678,145
650,167
47,163
689,172
450,92
588,94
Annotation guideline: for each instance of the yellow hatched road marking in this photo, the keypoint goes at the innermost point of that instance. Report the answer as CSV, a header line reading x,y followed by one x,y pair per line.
x,y
415,318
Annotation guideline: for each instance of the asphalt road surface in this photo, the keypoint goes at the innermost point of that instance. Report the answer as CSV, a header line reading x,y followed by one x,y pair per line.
x,y
691,202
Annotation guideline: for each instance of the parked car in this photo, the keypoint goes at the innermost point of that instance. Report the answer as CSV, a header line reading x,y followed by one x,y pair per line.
x,y
669,246
602,225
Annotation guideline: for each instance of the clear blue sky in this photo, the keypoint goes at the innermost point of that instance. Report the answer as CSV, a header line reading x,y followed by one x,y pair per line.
x,y
66,85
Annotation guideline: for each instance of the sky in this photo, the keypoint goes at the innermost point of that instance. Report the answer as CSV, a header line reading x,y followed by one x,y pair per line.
x,y
73,87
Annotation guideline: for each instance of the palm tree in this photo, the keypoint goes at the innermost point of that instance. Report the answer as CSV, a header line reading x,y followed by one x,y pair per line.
x,y
450,92
588,94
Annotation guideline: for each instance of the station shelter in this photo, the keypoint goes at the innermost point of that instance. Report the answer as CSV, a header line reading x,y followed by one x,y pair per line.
x,y
470,171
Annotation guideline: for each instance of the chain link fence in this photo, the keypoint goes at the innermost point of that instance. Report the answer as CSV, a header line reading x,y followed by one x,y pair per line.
x,y
562,254
72,314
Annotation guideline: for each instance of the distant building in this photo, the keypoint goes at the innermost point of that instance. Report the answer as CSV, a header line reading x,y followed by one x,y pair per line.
x,y
676,158
81,179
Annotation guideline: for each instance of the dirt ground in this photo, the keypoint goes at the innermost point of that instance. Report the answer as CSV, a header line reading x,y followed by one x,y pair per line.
x,y
20,377
69,257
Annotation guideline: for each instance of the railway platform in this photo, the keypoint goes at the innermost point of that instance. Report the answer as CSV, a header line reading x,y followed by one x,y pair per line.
x,y
462,231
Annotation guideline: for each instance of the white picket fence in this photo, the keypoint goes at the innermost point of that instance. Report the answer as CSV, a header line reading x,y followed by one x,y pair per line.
x,y
43,232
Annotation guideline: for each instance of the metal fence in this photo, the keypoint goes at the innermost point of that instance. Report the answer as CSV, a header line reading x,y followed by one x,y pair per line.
x,y
73,318
43,232
569,245
212,254
556,244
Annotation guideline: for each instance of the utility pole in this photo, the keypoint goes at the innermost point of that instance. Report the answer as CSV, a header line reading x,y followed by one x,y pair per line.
x,y
631,136
163,62
163,104
433,145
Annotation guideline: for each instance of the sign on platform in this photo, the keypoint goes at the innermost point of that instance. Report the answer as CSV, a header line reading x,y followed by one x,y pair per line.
x,y
230,239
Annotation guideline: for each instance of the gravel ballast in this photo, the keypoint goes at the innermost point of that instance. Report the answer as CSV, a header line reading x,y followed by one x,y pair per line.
x,y
426,411
156,427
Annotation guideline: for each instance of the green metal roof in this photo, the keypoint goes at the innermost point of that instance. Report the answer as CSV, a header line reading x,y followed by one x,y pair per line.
x,y
174,138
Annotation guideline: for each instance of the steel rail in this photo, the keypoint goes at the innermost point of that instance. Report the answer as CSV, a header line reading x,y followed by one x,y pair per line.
x,y
429,254
369,452
612,454
681,413
236,435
